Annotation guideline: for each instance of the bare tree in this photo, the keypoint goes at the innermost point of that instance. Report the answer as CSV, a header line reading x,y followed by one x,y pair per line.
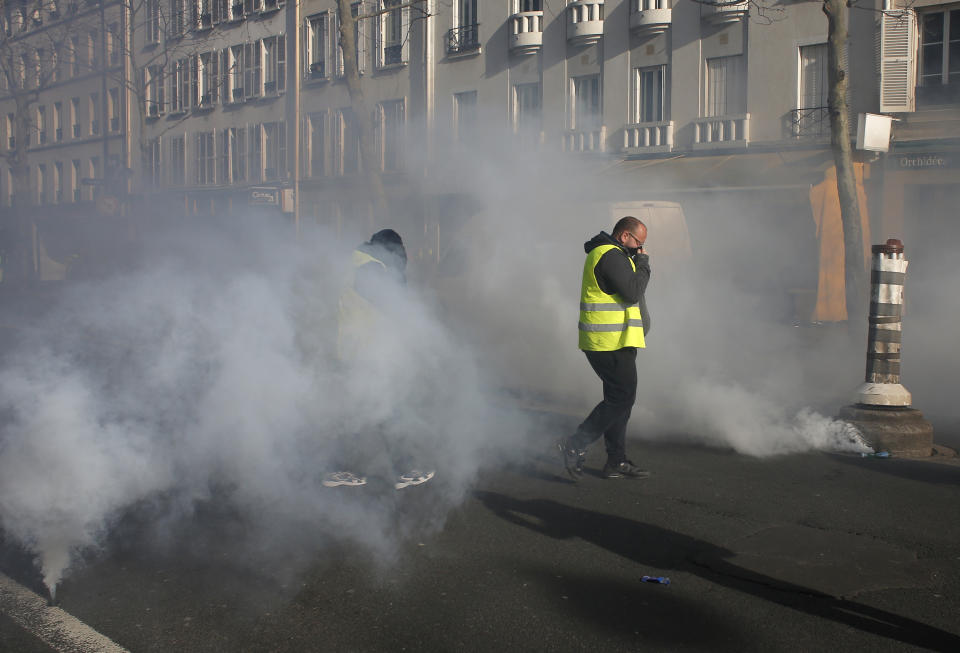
x,y
34,38
351,72
837,12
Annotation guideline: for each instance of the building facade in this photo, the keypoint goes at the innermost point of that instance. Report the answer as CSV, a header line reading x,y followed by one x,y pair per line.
x,y
224,103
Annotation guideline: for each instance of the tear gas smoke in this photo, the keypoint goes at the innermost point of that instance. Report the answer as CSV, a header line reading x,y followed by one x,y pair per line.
x,y
210,375
206,375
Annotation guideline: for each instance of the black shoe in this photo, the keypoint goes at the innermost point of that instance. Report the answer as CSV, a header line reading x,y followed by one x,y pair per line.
x,y
572,458
625,469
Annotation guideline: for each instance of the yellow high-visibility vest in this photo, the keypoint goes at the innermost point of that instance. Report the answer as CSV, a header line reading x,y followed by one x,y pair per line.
x,y
357,318
607,322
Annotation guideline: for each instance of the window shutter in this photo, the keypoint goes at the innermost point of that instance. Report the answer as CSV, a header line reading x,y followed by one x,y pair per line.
x,y
281,63
898,37
361,31
380,37
335,43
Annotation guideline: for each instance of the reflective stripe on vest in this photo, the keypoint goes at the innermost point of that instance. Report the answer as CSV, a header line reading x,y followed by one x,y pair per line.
x,y
607,322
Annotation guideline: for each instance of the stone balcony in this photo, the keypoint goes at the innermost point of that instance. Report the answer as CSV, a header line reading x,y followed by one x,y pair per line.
x,y
724,12
585,140
648,137
721,132
650,17
526,32
585,22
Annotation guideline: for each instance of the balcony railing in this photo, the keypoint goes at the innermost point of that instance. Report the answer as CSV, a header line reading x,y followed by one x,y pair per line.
x,y
810,123
526,32
465,38
725,11
585,22
648,137
585,140
392,54
721,132
650,17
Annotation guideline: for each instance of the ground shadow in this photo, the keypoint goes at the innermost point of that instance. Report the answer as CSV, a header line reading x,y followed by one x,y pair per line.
x,y
652,546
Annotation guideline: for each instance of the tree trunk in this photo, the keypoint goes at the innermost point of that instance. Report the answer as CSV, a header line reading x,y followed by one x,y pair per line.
x,y
854,267
361,117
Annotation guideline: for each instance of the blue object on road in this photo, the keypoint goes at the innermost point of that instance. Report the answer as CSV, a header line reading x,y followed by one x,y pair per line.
x,y
660,580
879,454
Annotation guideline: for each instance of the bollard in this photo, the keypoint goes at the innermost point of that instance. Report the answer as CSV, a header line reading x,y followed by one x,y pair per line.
x,y
882,382
882,411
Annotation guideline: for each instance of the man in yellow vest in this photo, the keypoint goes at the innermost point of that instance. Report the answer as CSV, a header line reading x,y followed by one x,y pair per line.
x,y
378,271
613,322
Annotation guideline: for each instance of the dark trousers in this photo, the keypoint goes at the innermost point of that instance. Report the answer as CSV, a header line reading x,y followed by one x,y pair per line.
x,y
618,371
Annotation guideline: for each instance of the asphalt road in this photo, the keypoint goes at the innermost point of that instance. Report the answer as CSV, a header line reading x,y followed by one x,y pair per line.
x,y
794,553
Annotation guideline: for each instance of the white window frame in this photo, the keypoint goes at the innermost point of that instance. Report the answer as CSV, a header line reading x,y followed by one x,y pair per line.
x,y
466,116
586,103
391,130
393,27
317,42
527,116
725,86
252,73
346,139
274,58
206,158
650,94
208,73
316,160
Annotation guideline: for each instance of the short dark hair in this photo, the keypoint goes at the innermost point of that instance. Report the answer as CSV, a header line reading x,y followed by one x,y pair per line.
x,y
626,223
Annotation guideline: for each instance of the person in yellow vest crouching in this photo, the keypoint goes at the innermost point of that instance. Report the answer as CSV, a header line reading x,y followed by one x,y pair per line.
x,y
367,301
613,324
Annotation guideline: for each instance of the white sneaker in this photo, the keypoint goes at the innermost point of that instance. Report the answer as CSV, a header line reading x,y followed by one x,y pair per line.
x,y
343,478
414,477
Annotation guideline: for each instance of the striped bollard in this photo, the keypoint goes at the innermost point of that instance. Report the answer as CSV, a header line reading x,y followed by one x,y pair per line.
x,y
882,382
882,411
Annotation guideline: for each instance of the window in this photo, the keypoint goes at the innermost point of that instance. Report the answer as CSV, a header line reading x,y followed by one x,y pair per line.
x,y
236,143
347,144
585,106
183,85
527,110
221,11
359,39
73,55
393,31
58,121
58,182
75,176
726,88
113,52
233,73
390,136
529,5
42,184
250,6
255,158
155,161
316,159
178,160
813,76
41,125
274,64
75,116
206,158
178,15
93,52
153,21
153,91
317,46
275,150
465,115
812,116
252,57
94,106
649,100
11,132
209,78
465,33
939,56
113,107
93,174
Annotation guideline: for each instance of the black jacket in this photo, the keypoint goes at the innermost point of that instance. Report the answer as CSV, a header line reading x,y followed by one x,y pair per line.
x,y
616,276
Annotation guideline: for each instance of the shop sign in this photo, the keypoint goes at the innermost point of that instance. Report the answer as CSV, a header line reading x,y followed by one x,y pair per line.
x,y
926,160
264,196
